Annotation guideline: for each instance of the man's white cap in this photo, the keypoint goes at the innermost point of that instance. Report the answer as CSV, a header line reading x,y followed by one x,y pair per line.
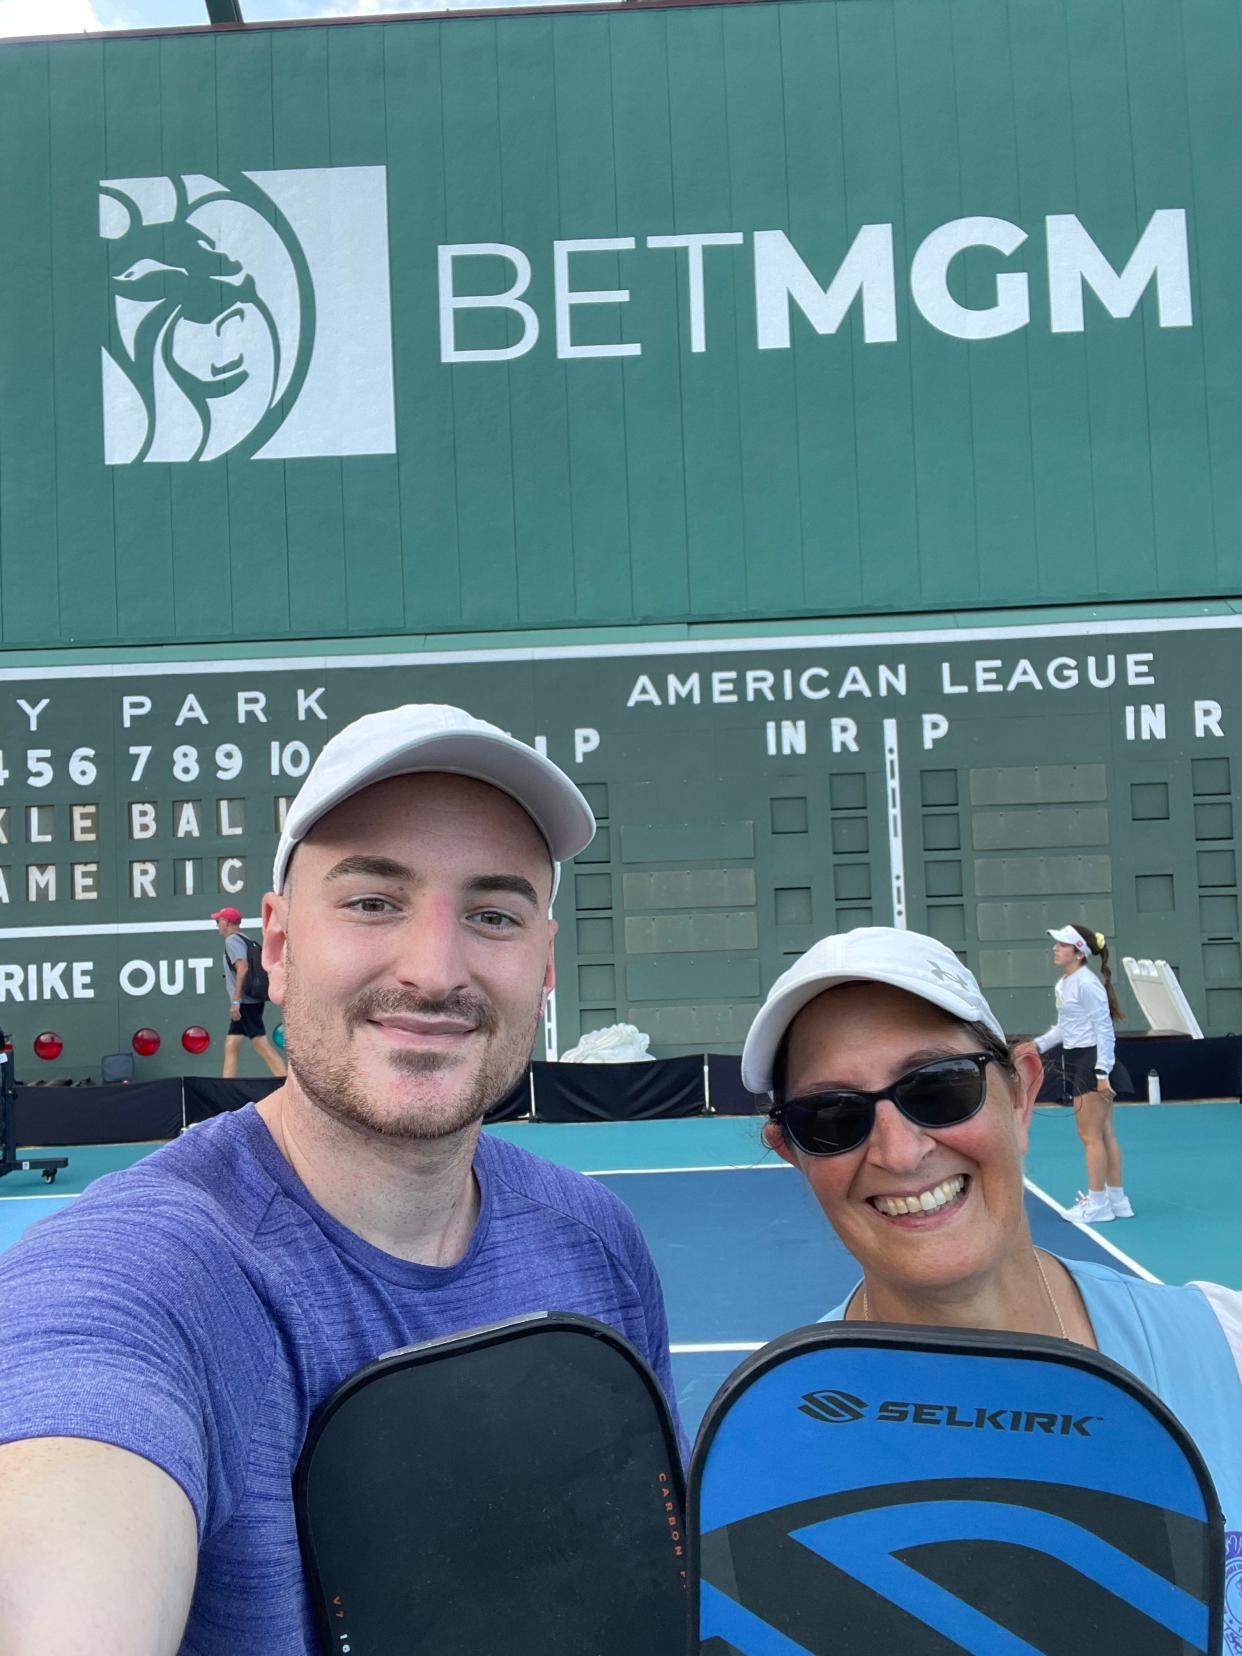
x,y
871,954
425,736
1067,934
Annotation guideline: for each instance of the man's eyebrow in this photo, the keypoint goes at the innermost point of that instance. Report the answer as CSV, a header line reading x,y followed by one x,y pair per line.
x,y
516,884
376,868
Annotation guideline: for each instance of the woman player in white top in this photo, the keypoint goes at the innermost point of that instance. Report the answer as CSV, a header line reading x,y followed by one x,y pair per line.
x,y
1086,1012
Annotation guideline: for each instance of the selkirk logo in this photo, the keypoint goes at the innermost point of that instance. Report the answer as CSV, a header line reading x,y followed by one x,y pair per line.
x,y
833,1406
839,1407
247,317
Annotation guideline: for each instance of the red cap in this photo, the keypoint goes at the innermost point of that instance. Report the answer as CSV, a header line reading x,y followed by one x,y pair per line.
x,y
232,915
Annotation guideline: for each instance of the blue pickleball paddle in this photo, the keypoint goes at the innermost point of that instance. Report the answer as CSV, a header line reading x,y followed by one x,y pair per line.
x,y
864,1488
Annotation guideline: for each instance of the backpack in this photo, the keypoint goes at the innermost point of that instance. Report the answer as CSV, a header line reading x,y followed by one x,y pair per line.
x,y
255,982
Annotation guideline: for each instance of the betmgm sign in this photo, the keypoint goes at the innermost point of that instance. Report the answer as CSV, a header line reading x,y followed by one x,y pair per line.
x,y
253,316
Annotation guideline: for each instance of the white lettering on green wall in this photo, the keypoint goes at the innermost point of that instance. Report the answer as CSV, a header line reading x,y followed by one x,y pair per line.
x,y
865,279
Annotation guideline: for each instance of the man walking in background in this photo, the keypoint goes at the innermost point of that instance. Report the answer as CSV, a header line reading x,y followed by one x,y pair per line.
x,y
245,983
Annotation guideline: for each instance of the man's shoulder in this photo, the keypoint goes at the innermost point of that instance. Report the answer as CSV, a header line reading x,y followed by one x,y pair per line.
x,y
547,1185
203,1186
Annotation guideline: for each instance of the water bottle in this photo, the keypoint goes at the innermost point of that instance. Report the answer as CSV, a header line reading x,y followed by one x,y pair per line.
x,y
1153,1087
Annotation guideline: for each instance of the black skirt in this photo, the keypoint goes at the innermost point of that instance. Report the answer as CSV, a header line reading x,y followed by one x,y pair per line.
x,y
1071,1073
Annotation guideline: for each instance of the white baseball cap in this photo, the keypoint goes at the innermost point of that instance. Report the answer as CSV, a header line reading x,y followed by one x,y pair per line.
x,y
426,736
1067,934
870,954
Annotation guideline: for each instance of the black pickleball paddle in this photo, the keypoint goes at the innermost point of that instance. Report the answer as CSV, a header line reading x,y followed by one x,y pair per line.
x,y
862,1488
513,1491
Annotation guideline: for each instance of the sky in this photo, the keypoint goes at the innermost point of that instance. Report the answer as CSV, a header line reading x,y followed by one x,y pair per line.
x,y
43,17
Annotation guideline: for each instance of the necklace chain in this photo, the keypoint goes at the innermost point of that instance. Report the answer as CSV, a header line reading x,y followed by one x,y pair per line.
x,y
1039,1266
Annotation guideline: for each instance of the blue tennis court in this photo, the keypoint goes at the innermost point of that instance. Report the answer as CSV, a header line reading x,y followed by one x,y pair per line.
x,y
745,1253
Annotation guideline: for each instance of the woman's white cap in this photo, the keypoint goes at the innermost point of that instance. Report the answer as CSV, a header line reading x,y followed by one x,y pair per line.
x,y
426,736
870,954
1067,934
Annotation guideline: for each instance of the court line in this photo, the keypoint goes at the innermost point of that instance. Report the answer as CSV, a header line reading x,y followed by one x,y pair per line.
x,y
723,1345
40,1196
1100,1241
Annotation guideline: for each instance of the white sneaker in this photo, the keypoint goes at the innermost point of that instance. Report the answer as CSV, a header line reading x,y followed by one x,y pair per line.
x,y
1092,1208
1121,1207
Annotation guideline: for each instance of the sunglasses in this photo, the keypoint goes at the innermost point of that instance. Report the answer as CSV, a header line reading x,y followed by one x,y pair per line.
x,y
944,1093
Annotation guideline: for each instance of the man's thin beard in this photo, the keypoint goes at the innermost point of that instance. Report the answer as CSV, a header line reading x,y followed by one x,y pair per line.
x,y
330,1085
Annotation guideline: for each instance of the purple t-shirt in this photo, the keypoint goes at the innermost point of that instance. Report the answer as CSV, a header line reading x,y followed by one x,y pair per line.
x,y
198,1307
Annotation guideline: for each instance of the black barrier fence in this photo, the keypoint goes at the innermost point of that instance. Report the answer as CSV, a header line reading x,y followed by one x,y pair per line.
x,y
662,1089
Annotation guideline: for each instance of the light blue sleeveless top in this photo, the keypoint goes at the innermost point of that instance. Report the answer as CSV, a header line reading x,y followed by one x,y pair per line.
x,y
1172,1340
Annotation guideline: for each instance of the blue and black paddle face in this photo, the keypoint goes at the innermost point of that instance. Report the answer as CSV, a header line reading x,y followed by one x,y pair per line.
x,y
513,1490
899,1490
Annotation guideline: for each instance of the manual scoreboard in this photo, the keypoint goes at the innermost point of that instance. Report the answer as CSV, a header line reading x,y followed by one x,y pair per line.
x,y
751,794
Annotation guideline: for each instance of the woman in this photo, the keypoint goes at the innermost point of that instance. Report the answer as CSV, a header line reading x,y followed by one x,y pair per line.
x,y
1086,1012
896,1095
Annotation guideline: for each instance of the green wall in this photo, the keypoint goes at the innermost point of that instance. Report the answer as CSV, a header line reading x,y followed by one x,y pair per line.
x,y
1082,770
838,475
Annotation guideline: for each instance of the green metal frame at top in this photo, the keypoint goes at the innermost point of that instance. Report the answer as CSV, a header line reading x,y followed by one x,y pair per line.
x,y
224,11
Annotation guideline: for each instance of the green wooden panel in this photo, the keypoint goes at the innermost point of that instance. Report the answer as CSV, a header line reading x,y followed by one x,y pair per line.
x,y
1004,488
482,425
29,608
1045,119
693,977
940,371
710,413
674,841
258,567
539,431
198,494
586,140
647,206
314,515
1107,193
1035,784
1019,876
688,933
821,223
1212,42
1016,829
994,921
84,547
887,489
690,887
1016,969
697,1028
413,107
1176,407
370,506
758,142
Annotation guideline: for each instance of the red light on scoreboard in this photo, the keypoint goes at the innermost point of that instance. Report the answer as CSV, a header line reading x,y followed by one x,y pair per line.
x,y
146,1042
48,1045
195,1039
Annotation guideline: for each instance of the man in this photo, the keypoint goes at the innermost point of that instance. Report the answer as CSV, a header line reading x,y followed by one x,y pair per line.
x,y
164,1344
245,1007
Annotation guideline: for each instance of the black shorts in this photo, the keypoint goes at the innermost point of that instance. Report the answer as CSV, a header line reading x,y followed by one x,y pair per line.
x,y
1080,1076
249,1020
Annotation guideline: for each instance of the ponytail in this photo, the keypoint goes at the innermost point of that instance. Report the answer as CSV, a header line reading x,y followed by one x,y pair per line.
x,y
1095,942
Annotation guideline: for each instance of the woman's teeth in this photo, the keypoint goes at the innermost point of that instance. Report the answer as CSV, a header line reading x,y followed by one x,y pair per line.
x,y
928,1201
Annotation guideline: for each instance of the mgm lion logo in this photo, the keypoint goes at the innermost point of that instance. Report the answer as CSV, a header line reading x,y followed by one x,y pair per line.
x,y
250,317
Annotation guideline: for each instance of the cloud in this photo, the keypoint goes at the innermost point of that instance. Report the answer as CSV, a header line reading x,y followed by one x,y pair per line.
x,y
47,17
